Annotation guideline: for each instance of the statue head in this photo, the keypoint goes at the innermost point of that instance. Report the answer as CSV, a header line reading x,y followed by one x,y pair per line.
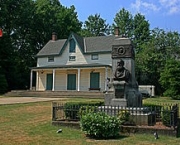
x,y
120,64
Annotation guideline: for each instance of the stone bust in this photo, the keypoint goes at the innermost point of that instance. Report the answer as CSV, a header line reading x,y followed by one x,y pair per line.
x,y
121,73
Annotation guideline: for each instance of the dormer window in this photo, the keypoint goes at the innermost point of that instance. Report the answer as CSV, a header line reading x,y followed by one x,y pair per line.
x,y
72,45
51,59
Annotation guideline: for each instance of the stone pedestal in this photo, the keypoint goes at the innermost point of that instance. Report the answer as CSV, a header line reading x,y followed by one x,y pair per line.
x,y
119,102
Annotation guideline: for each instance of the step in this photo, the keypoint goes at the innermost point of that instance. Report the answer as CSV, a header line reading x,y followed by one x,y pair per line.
x,y
28,93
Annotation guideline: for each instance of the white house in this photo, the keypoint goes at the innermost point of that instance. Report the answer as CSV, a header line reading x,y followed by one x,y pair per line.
x,y
75,63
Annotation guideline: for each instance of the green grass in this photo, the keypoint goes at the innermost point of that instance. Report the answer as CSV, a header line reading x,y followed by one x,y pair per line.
x,y
30,124
161,100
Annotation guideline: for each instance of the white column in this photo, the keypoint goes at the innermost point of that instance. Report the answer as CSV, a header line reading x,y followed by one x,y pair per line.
x,y
106,71
53,80
78,87
37,80
31,78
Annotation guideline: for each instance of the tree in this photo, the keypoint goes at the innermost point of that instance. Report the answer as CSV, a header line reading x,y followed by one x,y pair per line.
x,y
170,78
14,17
95,26
141,31
151,60
124,20
27,26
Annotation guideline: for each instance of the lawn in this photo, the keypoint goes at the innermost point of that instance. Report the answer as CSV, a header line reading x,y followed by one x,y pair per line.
x,y
30,124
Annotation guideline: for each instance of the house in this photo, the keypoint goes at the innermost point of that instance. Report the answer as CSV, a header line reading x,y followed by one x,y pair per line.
x,y
75,63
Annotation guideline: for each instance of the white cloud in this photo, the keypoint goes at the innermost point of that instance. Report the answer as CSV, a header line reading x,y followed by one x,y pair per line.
x,y
144,7
165,6
172,6
150,6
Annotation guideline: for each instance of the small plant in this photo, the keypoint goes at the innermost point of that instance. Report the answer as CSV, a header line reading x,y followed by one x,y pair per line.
x,y
87,109
166,117
100,125
124,116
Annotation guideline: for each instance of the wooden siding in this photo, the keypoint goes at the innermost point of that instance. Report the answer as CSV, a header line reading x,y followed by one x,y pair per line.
x,y
63,59
60,82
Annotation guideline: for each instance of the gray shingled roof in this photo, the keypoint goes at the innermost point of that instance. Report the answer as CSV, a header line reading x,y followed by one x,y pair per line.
x,y
99,44
52,48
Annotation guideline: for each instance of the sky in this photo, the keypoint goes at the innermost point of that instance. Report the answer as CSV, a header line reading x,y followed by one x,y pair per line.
x,y
164,14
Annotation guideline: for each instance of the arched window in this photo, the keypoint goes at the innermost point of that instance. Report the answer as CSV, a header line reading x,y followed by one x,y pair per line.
x,y
72,45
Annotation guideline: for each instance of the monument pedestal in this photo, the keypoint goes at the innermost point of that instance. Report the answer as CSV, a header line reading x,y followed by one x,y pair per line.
x,y
110,100
119,102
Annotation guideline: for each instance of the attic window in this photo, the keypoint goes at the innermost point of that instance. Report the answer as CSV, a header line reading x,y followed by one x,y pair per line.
x,y
72,58
72,45
94,57
51,59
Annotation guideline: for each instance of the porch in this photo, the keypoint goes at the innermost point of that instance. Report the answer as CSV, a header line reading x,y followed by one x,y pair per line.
x,y
83,77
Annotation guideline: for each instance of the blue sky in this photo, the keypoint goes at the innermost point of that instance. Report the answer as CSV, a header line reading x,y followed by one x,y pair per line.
x,y
164,14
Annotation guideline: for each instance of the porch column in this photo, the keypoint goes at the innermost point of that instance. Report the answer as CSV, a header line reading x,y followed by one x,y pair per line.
x,y
106,72
37,80
53,80
78,87
31,78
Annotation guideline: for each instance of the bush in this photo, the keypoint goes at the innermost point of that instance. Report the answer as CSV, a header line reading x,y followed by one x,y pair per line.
x,y
87,109
169,116
176,97
153,107
100,125
166,117
71,109
124,116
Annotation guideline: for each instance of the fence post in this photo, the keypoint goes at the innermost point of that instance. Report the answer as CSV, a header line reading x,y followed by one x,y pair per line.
x,y
54,111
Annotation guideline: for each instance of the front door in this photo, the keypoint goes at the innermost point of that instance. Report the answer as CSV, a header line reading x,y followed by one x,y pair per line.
x,y
94,80
49,82
71,82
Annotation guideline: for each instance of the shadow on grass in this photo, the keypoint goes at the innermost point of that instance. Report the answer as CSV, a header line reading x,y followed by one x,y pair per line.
x,y
120,137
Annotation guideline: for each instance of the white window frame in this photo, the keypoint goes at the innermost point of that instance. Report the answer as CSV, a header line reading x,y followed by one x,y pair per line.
x,y
50,58
72,58
94,56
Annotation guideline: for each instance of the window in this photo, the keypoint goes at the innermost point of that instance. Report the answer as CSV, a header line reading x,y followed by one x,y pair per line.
x,y
51,59
72,58
72,46
94,57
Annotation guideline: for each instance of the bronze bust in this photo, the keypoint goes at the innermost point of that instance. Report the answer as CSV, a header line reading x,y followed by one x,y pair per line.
x,y
121,73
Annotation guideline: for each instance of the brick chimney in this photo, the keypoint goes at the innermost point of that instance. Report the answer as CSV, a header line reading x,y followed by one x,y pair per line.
x,y
116,31
54,36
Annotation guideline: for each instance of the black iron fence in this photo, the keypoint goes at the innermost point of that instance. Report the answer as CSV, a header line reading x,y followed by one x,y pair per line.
x,y
164,115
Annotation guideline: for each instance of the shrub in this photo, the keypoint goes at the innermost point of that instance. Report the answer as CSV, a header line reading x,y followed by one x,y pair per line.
x,y
71,109
166,117
87,109
176,97
169,116
100,125
124,116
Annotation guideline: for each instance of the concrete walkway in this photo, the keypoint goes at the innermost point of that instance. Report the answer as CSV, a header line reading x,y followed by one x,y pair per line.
x,y
15,100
